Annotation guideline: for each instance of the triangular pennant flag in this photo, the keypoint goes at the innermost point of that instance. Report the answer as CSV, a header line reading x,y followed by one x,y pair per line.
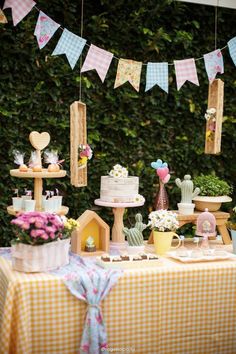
x,y
19,9
71,45
232,49
98,59
214,64
185,70
45,29
157,74
128,70
3,18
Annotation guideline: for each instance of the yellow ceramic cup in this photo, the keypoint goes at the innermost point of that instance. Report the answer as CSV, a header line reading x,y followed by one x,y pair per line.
x,y
163,241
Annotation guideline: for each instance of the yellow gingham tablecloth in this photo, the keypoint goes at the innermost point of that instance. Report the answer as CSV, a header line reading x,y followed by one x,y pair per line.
x,y
171,309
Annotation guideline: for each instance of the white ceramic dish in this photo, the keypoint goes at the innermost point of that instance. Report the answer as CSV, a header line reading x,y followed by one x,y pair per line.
x,y
215,255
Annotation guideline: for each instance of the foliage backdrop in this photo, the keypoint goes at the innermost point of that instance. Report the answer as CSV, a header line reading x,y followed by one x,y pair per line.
x,y
124,126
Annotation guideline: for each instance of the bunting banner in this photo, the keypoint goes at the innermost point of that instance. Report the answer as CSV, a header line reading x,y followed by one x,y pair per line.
x,y
157,74
128,70
71,45
232,49
98,59
185,71
45,29
214,64
3,18
19,9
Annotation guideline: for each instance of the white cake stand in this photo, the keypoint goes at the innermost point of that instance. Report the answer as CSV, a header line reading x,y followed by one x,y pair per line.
x,y
118,244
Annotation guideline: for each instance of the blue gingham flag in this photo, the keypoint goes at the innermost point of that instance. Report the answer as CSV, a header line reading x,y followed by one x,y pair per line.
x,y
71,45
232,49
157,74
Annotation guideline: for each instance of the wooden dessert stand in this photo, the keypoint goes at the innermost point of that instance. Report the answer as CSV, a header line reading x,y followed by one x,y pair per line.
x,y
221,220
118,239
39,142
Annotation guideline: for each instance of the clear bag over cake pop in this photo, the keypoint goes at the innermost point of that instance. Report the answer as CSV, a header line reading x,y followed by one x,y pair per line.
x,y
51,158
19,160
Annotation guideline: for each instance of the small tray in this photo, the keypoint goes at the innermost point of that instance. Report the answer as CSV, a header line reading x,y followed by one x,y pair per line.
x,y
131,264
221,256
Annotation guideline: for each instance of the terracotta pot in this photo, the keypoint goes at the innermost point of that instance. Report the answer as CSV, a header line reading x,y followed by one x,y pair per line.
x,y
211,203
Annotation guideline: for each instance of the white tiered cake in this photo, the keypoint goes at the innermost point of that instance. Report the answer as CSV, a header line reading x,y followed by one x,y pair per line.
x,y
119,188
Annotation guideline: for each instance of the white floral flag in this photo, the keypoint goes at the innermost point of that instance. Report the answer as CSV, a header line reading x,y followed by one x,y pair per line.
x,y
98,59
45,29
185,70
214,64
128,70
71,45
19,8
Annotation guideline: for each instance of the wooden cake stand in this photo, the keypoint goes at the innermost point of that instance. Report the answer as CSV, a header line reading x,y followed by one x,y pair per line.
x,y
38,186
118,239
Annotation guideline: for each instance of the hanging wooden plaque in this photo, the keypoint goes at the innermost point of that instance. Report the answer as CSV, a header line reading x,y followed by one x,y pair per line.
x,y
78,136
214,124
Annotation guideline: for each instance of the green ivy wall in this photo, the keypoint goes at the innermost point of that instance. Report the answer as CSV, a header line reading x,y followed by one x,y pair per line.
x,y
124,126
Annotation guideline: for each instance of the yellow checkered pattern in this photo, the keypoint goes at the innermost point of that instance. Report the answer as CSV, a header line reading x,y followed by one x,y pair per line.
x,y
172,309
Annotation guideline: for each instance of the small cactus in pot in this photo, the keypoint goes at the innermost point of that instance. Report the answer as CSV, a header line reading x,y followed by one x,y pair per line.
x,y
134,235
186,186
187,194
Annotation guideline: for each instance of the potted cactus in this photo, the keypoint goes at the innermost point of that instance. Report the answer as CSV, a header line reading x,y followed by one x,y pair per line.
x,y
188,192
134,236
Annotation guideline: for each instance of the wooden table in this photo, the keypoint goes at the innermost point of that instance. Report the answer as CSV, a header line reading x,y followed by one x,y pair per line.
x,y
221,220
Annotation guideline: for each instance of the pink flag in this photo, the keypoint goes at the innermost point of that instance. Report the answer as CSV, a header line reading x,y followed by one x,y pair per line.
x,y
19,9
98,59
185,70
45,29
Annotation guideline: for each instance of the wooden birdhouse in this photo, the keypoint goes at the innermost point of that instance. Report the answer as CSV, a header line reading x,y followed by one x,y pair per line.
x,y
91,225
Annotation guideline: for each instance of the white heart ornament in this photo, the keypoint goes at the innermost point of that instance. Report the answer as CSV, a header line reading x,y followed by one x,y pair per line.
x,y
39,140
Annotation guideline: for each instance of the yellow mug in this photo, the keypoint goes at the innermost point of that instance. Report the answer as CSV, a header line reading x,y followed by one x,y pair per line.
x,y
163,241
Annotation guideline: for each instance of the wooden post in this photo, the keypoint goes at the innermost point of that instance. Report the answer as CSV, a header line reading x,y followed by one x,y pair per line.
x,y
78,135
213,128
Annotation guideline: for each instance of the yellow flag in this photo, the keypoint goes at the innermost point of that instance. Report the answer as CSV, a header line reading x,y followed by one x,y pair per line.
x,y
128,70
3,18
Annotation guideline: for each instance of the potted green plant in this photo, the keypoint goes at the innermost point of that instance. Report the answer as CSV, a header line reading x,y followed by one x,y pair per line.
x,y
213,192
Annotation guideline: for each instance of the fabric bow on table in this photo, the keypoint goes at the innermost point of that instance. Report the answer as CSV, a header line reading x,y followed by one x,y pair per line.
x,y
91,284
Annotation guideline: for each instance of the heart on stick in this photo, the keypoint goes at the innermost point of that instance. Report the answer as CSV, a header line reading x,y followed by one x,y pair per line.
x,y
162,172
39,140
166,179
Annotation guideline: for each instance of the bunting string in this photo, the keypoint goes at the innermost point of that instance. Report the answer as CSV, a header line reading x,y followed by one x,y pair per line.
x,y
100,60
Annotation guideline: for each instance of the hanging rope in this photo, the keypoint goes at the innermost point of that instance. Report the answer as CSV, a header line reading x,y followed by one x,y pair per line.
x,y
216,22
81,35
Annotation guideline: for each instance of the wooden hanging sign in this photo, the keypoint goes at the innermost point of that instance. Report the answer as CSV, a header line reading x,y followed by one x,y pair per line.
x,y
78,136
214,117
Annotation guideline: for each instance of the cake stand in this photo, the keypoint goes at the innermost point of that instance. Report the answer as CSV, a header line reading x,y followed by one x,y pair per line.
x,y
118,238
38,186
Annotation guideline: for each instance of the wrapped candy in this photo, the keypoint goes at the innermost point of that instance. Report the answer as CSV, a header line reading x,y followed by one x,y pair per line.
x,y
19,160
51,158
34,162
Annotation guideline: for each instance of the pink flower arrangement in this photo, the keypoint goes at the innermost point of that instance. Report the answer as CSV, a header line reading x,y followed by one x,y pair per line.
x,y
36,228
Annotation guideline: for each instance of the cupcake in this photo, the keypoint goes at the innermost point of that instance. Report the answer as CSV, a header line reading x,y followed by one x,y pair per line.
x,y
125,257
137,258
143,255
